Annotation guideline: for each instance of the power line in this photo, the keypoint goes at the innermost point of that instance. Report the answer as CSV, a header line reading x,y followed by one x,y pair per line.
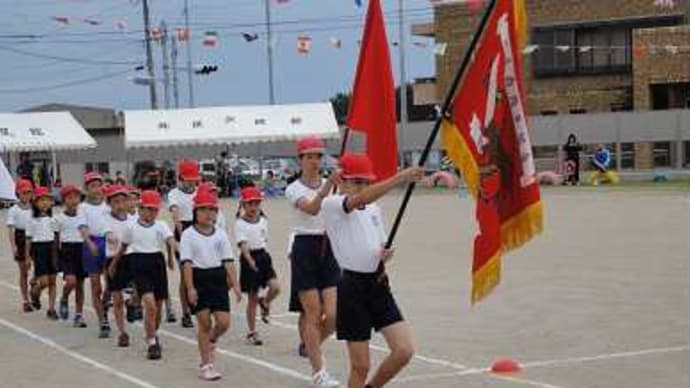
x,y
65,59
65,84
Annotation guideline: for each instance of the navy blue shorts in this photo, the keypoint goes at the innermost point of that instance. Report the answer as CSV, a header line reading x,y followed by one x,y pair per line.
x,y
42,255
150,274
71,262
94,265
252,281
212,290
313,266
123,275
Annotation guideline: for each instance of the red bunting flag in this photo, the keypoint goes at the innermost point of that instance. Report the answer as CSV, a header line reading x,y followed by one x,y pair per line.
x,y
183,34
303,44
210,39
61,20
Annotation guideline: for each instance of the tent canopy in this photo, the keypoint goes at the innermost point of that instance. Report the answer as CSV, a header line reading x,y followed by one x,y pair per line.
x,y
228,125
44,131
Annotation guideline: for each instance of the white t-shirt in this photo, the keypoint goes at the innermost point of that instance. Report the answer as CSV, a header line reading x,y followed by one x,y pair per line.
x,y
114,230
95,217
41,229
146,238
255,234
221,222
184,203
205,251
303,223
69,227
356,237
18,217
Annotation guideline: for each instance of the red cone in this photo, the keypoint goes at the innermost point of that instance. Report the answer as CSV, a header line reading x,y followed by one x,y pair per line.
x,y
505,365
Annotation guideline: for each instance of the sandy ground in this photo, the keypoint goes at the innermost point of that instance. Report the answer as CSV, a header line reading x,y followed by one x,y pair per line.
x,y
601,299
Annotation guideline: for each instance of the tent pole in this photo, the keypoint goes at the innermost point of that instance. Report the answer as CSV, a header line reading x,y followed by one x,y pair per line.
x,y
55,168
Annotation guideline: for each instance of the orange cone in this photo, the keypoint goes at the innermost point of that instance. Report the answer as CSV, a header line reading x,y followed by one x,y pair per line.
x,y
505,365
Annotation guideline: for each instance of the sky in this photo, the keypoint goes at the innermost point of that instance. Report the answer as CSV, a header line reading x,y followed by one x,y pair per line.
x,y
39,57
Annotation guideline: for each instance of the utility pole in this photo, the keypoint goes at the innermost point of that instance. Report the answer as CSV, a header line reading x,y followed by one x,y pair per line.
x,y
166,65
403,84
190,78
269,52
149,56
176,90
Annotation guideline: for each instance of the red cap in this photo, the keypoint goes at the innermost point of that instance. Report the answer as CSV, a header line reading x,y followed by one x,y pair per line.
x,y
23,186
92,176
150,199
205,198
133,190
42,191
311,145
207,186
356,166
251,193
188,170
114,190
69,189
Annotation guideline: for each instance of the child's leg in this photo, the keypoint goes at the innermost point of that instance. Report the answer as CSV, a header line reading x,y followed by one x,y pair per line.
x,y
328,296
159,313
273,290
118,311
399,341
252,302
52,291
69,286
221,326
79,297
24,280
183,296
150,314
96,294
203,319
359,363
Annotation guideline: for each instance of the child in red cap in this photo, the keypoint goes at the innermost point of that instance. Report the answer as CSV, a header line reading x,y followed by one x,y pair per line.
x,y
208,273
145,241
181,206
256,265
18,218
41,249
355,228
69,224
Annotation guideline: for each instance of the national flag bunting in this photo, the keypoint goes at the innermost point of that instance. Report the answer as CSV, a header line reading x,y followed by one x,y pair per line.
x,y
485,134
210,39
303,44
183,34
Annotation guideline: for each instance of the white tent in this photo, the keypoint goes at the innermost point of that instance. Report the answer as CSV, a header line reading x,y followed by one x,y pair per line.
x,y
6,183
228,125
44,131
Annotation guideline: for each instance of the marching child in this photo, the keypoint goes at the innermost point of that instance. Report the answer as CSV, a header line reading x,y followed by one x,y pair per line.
x,y
355,227
41,248
18,218
95,209
181,206
69,225
209,273
145,240
256,265
119,274
134,311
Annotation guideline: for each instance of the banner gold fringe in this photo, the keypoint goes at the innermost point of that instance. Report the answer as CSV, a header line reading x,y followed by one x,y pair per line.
x,y
457,151
520,228
486,278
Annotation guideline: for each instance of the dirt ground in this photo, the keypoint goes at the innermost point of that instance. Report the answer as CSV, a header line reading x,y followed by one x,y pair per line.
x,y
600,299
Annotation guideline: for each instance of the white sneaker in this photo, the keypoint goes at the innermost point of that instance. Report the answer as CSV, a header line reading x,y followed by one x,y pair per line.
x,y
209,373
322,379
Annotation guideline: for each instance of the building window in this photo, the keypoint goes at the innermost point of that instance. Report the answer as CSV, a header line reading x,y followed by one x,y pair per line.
x,y
100,167
686,159
578,111
549,58
662,154
627,155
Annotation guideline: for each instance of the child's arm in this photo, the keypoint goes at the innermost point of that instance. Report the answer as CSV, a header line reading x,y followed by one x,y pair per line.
x,y
187,277
376,191
172,248
85,234
175,213
313,206
231,278
10,233
244,251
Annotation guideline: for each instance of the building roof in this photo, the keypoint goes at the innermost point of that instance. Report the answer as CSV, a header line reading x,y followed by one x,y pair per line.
x,y
91,118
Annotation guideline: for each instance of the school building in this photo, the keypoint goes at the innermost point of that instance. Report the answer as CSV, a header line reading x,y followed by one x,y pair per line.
x,y
614,71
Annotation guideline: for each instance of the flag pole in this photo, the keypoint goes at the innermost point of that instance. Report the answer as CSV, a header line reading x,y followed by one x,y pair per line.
x,y
450,95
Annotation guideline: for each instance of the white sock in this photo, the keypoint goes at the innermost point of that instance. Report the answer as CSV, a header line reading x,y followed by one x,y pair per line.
x,y
151,341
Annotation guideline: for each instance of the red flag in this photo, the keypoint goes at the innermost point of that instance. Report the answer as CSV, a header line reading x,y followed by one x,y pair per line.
x,y
488,140
372,107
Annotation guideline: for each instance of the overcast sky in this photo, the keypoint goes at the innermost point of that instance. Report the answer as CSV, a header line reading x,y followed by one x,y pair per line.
x,y
37,53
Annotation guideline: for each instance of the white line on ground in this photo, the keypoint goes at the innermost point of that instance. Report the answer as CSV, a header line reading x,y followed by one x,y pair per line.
x,y
192,341
636,353
77,356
